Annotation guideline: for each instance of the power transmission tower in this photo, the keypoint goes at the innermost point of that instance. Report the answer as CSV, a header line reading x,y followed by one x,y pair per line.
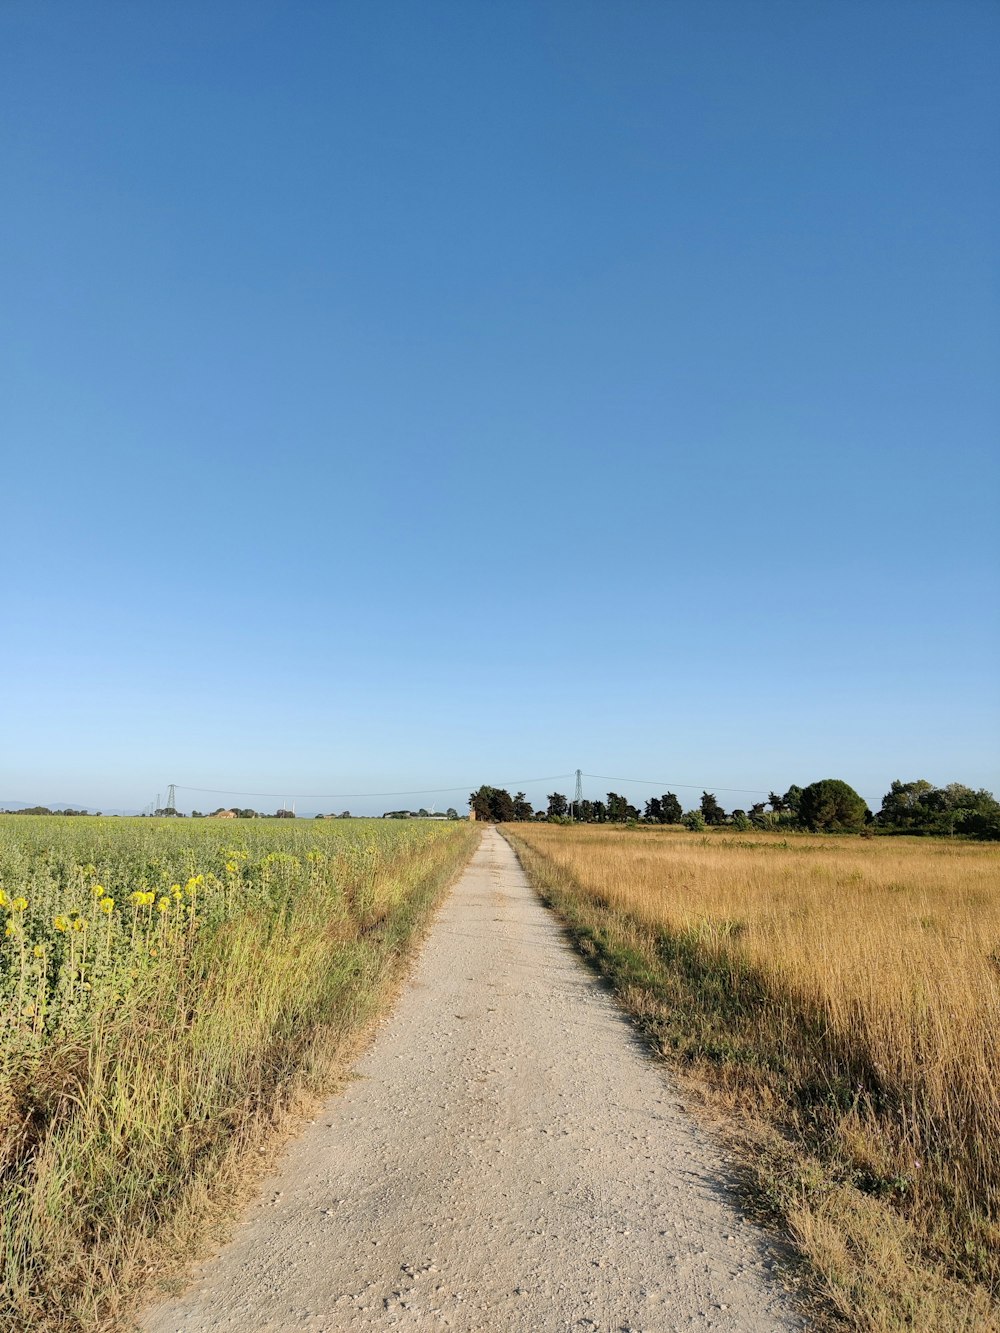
x,y
578,794
171,797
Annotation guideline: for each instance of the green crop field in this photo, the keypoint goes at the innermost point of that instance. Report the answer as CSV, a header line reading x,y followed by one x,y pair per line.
x,y
168,988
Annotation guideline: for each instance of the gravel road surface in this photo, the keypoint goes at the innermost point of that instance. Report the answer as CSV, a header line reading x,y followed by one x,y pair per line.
x,y
509,1159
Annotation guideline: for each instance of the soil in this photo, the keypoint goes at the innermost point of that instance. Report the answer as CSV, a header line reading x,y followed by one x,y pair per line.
x,y
508,1158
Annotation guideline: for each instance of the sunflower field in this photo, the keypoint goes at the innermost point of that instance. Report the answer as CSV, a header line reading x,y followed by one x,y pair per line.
x,y
168,989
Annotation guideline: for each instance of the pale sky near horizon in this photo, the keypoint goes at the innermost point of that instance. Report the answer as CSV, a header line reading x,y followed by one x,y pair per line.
x,y
399,397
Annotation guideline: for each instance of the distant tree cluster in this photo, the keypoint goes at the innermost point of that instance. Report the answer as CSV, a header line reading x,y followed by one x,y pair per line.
x,y
236,813
450,813
920,807
828,806
497,806
44,810
665,809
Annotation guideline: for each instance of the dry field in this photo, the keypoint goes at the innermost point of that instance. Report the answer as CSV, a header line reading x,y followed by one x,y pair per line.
x,y
838,1000
170,990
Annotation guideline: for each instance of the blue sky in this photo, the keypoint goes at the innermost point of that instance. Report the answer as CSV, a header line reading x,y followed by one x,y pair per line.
x,y
398,396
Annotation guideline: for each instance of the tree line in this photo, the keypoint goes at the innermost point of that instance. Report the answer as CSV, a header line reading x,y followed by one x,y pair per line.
x,y
827,806
44,810
450,813
170,813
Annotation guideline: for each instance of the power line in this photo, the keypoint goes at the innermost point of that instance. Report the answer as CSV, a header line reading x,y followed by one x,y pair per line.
x,y
361,795
694,786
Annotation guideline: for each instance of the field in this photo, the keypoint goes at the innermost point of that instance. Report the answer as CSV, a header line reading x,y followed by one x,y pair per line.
x,y
837,1001
169,989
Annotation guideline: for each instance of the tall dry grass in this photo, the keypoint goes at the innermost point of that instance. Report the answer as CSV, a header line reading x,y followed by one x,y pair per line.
x,y
848,992
168,989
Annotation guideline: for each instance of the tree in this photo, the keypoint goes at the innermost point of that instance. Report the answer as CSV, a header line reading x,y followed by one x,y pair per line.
x,y
670,808
776,803
522,808
791,799
665,809
983,821
695,821
711,811
284,814
620,809
480,803
904,806
558,805
616,808
503,806
831,806
492,804
452,812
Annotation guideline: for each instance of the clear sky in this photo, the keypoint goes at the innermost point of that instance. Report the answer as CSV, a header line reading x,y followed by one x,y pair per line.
x,y
399,396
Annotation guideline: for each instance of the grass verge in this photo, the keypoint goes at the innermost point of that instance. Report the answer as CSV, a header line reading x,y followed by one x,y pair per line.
x,y
897,1230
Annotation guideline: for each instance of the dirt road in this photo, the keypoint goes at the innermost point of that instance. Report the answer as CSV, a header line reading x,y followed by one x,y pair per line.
x,y
509,1159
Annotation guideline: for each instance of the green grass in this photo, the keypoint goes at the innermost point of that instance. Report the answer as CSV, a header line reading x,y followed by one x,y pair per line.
x,y
168,989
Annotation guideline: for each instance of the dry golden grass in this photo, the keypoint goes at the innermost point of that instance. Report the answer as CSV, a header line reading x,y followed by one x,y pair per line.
x,y
847,993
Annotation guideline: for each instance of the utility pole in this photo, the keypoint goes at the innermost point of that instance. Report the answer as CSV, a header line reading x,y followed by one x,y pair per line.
x,y
578,794
172,797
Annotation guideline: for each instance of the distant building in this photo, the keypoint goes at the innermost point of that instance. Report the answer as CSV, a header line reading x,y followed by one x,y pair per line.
x,y
223,814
